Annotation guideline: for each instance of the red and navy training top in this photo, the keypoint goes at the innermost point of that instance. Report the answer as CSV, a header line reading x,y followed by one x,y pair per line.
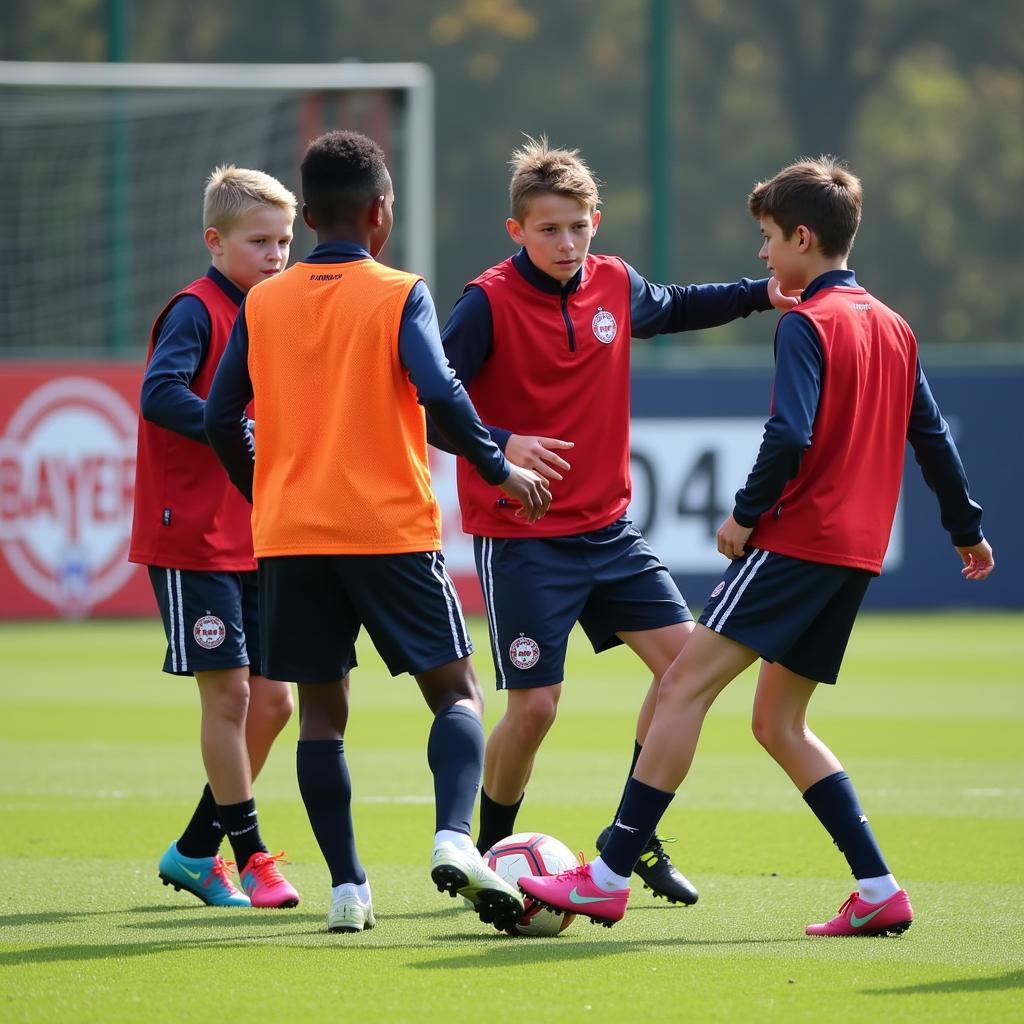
x,y
542,358
187,513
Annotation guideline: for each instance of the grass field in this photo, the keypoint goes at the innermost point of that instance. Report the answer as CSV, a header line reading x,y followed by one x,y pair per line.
x,y
100,770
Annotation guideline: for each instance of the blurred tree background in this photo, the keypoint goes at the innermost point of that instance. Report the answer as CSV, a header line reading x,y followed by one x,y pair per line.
x,y
924,98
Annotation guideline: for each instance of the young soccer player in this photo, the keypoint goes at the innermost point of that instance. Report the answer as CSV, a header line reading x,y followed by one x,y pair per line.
x,y
807,534
340,353
191,528
541,342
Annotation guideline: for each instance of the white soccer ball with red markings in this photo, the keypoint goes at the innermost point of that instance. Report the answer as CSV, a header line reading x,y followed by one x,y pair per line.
x,y
532,853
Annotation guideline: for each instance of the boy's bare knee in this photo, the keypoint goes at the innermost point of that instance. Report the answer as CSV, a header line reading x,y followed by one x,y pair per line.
x,y
775,737
229,703
534,711
272,701
765,731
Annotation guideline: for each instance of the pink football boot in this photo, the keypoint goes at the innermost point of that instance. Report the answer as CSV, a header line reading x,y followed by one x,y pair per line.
x,y
858,917
265,885
574,892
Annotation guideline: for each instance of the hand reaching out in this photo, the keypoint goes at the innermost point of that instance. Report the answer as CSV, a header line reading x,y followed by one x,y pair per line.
x,y
539,454
779,299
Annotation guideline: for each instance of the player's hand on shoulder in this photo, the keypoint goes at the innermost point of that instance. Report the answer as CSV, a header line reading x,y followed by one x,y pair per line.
x,y
530,490
539,454
978,560
731,538
778,298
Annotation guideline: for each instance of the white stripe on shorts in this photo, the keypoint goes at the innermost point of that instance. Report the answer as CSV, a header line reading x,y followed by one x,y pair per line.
x,y
181,621
438,572
755,560
486,546
463,628
170,622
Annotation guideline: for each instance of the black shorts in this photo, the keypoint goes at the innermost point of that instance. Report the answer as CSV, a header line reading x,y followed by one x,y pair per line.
x,y
312,606
536,589
210,620
795,612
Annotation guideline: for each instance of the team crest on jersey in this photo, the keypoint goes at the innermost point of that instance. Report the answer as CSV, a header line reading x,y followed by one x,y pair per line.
x,y
717,591
604,326
209,632
524,652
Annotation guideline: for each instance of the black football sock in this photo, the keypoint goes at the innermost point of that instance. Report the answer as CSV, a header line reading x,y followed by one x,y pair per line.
x,y
243,830
638,817
203,833
835,804
497,821
637,747
455,753
326,789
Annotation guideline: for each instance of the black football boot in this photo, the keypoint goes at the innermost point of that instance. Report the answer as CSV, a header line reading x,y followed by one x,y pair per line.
x,y
657,871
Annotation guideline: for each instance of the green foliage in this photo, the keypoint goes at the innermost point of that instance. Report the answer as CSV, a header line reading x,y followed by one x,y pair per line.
x,y
101,769
925,98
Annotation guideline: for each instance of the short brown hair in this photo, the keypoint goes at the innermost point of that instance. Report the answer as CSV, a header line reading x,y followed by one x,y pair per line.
x,y
231,192
819,193
539,169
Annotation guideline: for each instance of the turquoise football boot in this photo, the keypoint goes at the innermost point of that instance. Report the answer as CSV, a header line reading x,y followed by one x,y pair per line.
x,y
204,877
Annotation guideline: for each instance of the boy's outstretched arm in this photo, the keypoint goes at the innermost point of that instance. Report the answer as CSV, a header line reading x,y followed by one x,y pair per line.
x,y
670,308
226,423
936,453
451,412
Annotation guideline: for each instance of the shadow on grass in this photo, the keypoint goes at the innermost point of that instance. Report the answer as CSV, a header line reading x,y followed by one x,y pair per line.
x,y
993,983
66,916
117,951
244,917
520,950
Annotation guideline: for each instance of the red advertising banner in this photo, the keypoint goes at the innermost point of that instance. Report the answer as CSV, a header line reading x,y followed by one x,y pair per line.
x,y
67,473
67,476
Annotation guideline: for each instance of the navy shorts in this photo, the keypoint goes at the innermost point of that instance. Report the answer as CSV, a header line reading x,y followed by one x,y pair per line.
x,y
795,612
312,606
210,620
536,589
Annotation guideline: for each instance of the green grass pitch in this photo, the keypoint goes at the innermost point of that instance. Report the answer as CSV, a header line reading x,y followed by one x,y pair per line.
x,y
100,769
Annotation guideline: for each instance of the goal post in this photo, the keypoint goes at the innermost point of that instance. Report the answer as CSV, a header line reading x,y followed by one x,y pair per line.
x,y
104,166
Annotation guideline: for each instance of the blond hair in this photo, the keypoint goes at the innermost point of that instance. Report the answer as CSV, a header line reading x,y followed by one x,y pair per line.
x,y
539,169
231,192
819,193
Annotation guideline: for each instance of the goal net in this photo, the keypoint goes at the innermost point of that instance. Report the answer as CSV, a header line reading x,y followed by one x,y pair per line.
x,y
103,169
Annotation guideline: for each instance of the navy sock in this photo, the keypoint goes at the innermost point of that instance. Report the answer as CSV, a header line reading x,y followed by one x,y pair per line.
x,y
455,753
326,790
638,817
497,821
243,830
637,747
203,833
835,804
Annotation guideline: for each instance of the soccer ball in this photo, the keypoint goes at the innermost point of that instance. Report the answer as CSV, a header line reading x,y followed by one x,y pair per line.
x,y
532,853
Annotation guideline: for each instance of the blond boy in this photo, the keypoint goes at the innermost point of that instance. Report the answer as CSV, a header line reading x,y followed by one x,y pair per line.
x,y
191,529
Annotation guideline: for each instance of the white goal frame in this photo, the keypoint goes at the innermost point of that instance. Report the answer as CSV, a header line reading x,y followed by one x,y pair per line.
x,y
415,80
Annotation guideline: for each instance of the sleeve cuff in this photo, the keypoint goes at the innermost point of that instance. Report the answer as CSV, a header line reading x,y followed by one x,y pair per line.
x,y
498,478
744,519
500,437
967,540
